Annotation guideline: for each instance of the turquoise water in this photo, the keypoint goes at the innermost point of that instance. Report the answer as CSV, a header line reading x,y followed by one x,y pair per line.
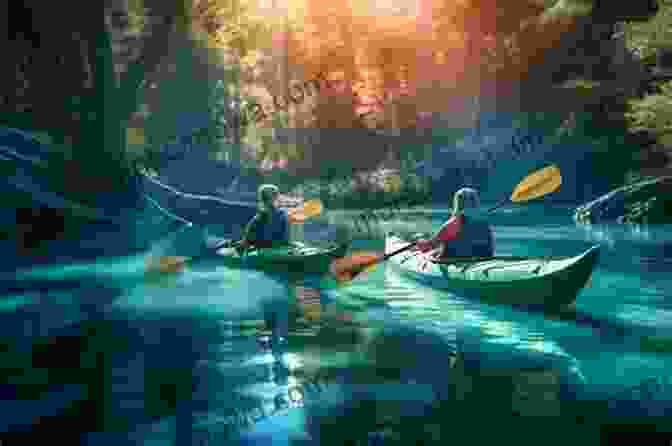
x,y
216,332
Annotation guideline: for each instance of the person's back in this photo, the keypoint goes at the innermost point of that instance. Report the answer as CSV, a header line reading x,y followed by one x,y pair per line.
x,y
469,236
475,240
270,226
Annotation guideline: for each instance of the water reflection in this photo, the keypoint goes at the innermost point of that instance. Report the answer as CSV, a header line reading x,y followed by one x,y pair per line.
x,y
454,316
271,379
627,233
648,247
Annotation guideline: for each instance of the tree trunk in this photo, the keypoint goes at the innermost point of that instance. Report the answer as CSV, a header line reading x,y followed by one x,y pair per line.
x,y
104,136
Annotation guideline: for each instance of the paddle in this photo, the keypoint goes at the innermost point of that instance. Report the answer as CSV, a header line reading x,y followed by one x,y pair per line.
x,y
299,214
310,208
534,185
347,268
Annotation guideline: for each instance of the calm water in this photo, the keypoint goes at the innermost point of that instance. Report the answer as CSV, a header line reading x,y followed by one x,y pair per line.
x,y
212,324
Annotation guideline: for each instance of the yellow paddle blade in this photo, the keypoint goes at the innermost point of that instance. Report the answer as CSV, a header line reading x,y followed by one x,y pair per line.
x,y
537,184
310,208
165,264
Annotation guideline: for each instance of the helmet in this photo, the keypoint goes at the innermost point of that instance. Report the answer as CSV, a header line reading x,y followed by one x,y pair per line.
x,y
465,199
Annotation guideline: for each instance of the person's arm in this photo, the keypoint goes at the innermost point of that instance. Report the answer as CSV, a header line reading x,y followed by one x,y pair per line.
x,y
250,230
491,241
285,227
449,231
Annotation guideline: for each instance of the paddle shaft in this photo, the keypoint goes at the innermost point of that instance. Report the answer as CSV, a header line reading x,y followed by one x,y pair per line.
x,y
498,205
385,257
398,251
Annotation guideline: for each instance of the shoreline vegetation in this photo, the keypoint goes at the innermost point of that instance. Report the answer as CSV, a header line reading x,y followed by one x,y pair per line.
x,y
377,207
370,219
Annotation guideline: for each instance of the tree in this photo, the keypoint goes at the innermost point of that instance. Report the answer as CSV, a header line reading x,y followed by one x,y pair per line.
x,y
653,113
107,59
89,112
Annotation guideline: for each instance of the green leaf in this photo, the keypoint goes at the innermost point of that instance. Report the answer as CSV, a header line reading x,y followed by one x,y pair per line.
x,y
570,8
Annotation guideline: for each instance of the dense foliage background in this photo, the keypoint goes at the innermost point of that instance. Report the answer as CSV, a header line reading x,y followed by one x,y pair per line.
x,y
144,78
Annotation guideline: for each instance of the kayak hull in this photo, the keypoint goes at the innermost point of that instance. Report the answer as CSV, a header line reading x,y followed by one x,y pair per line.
x,y
522,281
297,258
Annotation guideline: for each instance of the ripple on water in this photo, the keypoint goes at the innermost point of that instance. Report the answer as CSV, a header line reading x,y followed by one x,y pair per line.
x,y
228,293
645,316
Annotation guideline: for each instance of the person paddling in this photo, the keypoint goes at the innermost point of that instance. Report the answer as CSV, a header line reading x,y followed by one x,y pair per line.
x,y
468,235
270,226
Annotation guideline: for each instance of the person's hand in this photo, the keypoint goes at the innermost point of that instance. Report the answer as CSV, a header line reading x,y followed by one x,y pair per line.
x,y
295,217
424,245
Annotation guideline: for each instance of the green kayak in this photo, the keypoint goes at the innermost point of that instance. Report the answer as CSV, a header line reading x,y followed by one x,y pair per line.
x,y
550,282
297,257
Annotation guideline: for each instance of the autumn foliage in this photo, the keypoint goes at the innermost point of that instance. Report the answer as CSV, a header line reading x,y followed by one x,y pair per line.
x,y
381,71
399,65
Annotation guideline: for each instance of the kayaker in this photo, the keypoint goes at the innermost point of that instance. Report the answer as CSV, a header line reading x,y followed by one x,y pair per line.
x,y
270,227
471,236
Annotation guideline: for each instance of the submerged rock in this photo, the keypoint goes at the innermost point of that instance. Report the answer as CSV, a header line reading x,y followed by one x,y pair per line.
x,y
647,201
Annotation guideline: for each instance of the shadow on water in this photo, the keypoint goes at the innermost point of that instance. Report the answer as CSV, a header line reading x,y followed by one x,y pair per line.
x,y
587,319
72,364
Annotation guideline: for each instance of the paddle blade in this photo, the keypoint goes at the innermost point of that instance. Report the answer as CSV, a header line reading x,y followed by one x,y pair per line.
x,y
310,208
537,184
165,264
347,268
